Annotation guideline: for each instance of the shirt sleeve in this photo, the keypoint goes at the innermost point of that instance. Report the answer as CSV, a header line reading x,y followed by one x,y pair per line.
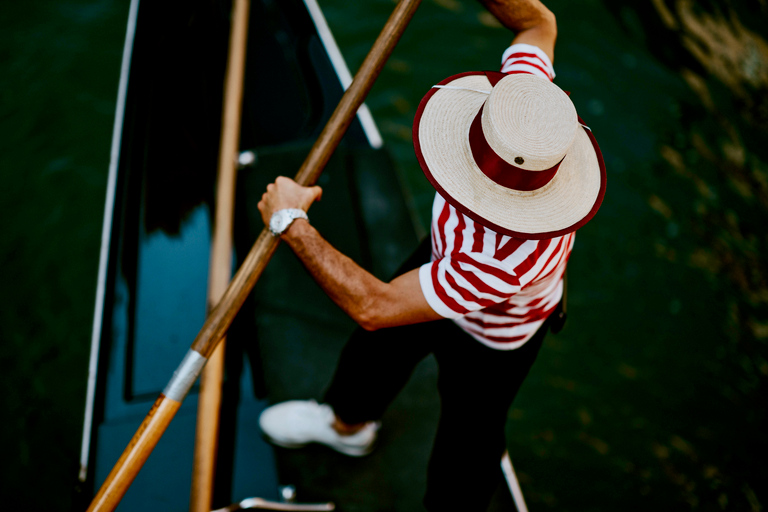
x,y
526,58
455,286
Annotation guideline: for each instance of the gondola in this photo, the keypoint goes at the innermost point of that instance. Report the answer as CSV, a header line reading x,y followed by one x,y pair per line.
x,y
153,273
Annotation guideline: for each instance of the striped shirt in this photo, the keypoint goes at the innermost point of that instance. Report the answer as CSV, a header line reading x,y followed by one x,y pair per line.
x,y
497,288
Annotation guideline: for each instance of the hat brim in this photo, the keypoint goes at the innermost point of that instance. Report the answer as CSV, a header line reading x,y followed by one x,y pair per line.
x,y
441,142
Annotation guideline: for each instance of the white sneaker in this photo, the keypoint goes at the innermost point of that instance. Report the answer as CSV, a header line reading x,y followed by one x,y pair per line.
x,y
296,423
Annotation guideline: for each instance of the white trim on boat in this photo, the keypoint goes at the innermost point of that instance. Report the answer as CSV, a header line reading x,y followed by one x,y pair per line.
x,y
342,71
106,236
514,485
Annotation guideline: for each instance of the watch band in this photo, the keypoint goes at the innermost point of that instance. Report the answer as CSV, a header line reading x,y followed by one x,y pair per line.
x,y
282,219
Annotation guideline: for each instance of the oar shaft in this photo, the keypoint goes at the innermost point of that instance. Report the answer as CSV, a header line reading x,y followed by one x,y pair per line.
x,y
135,454
219,320
220,272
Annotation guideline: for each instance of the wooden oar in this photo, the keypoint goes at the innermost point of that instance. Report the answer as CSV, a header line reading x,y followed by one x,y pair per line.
x,y
220,269
219,320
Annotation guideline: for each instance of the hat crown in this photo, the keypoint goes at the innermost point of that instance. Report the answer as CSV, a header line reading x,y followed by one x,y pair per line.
x,y
529,122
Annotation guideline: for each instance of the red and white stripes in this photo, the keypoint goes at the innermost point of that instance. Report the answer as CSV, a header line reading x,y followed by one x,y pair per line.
x,y
525,58
497,288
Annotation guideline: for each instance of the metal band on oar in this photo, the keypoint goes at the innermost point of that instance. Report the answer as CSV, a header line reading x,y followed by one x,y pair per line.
x,y
219,320
220,270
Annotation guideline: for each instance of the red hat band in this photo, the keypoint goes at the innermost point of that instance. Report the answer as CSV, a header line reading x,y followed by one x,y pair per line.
x,y
499,170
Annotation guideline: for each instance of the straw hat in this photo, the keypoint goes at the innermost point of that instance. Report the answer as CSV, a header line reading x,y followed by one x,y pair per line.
x,y
510,152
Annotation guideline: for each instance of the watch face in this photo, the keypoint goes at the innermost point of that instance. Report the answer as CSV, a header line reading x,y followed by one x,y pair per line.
x,y
278,222
281,219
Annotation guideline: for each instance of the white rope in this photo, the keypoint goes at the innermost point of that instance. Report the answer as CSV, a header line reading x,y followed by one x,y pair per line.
x,y
459,88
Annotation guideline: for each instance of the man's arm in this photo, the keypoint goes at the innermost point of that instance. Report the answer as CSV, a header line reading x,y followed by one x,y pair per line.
x,y
531,21
371,302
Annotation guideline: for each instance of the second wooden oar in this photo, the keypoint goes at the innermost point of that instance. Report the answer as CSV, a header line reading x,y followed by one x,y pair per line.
x,y
219,320
209,398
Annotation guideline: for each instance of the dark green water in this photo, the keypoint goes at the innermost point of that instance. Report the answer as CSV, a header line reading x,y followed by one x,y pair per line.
x,y
654,398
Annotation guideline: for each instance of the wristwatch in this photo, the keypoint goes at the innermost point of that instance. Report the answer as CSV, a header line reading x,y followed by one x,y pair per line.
x,y
281,219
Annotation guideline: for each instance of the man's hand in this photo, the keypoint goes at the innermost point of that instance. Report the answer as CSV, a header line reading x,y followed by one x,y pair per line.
x,y
286,193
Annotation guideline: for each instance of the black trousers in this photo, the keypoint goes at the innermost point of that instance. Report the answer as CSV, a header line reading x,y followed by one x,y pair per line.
x,y
476,384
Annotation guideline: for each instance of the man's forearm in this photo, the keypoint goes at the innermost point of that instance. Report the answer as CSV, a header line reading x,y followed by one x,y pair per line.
x,y
347,284
532,22
370,302
518,15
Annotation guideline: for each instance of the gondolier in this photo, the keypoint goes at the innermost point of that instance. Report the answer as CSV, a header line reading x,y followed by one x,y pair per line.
x,y
516,174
